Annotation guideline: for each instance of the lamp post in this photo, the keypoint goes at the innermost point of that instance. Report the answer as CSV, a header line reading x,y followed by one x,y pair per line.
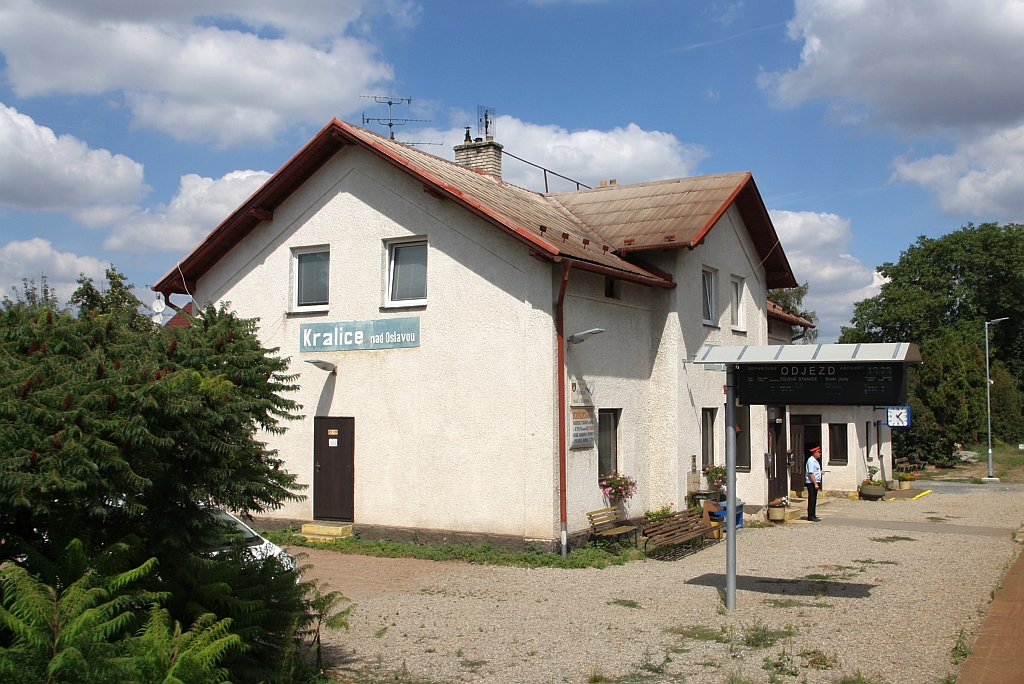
x,y
988,396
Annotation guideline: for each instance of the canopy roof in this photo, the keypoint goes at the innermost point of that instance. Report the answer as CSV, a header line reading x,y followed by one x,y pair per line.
x,y
906,352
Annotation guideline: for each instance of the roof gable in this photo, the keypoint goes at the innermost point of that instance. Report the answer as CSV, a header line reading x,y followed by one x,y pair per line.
x,y
678,213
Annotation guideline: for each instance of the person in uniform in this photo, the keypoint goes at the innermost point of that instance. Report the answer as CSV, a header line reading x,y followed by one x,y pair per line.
x,y
813,481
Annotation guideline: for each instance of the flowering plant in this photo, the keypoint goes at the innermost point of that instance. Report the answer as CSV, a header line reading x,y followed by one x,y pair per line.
x,y
618,487
716,476
781,502
906,477
870,479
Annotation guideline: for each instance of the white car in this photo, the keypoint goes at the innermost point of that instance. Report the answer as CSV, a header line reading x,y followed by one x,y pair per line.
x,y
259,547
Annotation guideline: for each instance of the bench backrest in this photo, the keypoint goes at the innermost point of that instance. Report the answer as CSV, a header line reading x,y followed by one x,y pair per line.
x,y
605,518
681,521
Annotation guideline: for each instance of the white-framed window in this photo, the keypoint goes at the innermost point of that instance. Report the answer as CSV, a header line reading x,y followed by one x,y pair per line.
x,y
407,273
707,293
311,270
736,314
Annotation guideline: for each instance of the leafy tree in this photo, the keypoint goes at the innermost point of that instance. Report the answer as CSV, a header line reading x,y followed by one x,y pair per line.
x,y
792,299
942,290
121,435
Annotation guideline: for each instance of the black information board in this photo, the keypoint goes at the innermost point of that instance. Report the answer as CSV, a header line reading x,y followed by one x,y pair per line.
x,y
843,384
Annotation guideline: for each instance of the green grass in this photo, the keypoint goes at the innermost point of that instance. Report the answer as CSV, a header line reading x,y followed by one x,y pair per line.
x,y
892,539
871,561
818,660
592,556
701,633
977,480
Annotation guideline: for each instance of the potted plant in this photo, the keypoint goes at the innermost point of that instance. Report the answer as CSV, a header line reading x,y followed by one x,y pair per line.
x,y
777,509
872,489
618,488
907,480
716,478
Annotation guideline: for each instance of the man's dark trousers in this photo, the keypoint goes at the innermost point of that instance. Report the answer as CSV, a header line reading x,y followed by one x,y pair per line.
x,y
812,501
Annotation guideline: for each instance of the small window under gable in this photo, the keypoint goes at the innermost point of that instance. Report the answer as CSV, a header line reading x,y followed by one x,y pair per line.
x,y
407,273
311,287
707,286
736,314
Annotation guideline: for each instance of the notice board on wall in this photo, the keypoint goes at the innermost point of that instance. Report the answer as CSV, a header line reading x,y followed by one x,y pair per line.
x,y
583,429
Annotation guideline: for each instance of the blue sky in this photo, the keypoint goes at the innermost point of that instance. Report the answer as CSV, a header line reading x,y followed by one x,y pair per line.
x,y
130,128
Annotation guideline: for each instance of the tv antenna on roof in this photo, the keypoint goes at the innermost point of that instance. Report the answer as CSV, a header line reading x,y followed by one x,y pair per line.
x,y
390,121
485,121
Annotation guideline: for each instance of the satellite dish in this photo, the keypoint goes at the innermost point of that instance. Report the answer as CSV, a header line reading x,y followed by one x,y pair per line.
x,y
157,318
158,304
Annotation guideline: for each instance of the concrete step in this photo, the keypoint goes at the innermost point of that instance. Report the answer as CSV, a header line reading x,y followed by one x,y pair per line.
x,y
317,530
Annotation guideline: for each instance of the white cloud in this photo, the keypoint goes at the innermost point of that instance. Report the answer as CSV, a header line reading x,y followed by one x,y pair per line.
x,y
985,175
189,78
629,155
200,205
36,257
919,64
817,246
40,171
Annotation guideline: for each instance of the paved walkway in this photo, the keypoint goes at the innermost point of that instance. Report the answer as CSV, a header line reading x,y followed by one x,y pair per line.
x,y
998,656
941,528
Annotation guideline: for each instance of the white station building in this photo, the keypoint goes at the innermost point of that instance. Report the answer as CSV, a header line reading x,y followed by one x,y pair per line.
x,y
444,310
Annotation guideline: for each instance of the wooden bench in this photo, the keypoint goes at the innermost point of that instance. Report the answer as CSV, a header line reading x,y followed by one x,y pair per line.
x,y
903,465
609,522
677,528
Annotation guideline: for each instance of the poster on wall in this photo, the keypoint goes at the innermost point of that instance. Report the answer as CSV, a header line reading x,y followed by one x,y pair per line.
x,y
583,429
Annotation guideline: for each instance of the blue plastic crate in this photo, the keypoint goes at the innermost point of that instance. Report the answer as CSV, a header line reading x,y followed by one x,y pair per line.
x,y
719,516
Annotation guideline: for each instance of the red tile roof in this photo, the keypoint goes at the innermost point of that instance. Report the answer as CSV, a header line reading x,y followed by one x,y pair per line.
x,y
781,313
547,224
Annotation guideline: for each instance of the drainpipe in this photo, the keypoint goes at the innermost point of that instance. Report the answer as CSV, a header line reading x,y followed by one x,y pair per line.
x,y
560,329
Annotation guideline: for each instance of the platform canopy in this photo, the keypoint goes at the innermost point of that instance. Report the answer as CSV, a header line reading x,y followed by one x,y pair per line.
x,y
817,374
905,352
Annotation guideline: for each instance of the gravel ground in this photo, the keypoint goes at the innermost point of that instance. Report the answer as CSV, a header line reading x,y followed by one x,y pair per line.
x,y
892,610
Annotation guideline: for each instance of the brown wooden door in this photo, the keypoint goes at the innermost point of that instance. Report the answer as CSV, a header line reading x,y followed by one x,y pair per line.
x,y
333,468
778,468
805,432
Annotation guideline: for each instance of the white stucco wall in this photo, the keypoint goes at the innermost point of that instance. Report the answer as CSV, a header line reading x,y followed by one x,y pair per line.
x,y
454,434
863,449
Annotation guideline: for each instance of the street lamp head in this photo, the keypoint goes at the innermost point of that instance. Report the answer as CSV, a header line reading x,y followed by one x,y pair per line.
x,y
998,320
581,337
322,365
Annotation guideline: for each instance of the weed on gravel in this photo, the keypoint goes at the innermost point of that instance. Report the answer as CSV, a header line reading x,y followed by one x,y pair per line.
x,y
592,556
760,636
961,650
625,603
892,539
857,678
702,633
819,660
796,603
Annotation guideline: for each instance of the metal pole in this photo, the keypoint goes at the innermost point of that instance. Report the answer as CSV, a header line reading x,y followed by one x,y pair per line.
x,y
988,402
988,396
730,479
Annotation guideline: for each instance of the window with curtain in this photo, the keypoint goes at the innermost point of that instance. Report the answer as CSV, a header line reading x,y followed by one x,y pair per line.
x,y
707,284
407,273
607,441
312,278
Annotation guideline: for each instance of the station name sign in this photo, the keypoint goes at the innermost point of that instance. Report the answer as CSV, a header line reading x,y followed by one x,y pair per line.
x,y
384,333
845,384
